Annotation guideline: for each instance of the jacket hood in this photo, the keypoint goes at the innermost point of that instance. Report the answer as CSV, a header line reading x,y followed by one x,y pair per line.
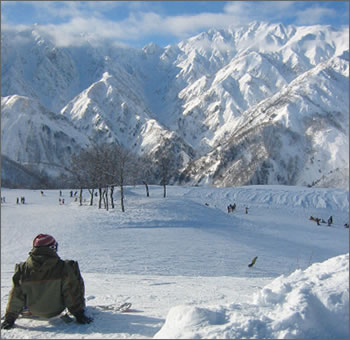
x,y
42,258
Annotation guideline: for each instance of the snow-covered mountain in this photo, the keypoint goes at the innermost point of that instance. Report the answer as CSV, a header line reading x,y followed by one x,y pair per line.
x,y
259,104
36,138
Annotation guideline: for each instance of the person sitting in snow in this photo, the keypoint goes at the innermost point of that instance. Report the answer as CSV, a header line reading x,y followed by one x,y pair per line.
x,y
45,285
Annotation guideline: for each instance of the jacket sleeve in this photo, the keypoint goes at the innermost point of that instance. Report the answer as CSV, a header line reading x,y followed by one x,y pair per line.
x,y
73,288
16,300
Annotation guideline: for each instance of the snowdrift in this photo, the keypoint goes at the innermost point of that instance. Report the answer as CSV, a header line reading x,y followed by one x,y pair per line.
x,y
313,303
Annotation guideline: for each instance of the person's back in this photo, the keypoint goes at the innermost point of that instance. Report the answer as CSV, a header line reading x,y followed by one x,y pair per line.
x,y
45,285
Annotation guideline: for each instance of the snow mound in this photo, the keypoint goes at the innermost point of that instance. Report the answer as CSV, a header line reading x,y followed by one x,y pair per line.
x,y
313,303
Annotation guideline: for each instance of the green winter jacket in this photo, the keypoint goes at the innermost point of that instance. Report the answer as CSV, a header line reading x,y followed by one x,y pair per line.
x,y
46,285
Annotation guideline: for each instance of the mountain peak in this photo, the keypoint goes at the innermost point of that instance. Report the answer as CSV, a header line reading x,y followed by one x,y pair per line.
x,y
152,49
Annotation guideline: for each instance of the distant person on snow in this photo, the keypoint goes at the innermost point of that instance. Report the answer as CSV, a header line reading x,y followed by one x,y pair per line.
x,y
330,220
45,285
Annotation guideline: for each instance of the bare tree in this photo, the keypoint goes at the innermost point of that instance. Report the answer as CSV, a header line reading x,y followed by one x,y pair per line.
x,y
88,168
145,171
165,162
126,161
103,167
119,169
97,157
109,171
80,169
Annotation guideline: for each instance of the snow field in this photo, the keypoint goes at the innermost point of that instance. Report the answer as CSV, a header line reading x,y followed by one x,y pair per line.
x,y
182,261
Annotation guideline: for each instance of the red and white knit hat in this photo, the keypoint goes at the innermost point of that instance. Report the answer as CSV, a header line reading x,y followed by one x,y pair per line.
x,y
44,240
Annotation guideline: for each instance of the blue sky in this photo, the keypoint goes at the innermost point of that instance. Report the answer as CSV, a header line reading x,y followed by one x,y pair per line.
x,y
137,23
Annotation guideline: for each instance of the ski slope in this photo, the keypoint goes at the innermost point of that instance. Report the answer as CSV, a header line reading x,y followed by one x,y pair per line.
x,y
183,261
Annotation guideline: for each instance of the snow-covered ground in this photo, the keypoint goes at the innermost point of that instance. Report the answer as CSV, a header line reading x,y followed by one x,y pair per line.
x,y
183,261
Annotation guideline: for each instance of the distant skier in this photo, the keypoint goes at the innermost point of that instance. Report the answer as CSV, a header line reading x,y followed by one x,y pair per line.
x,y
45,285
330,221
253,262
246,210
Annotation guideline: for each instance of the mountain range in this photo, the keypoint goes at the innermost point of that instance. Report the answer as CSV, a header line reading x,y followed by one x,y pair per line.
x,y
256,104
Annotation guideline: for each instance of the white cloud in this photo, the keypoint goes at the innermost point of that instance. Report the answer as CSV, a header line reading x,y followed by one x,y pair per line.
x,y
314,15
96,29
80,19
72,9
260,10
146,18
136,26
185,25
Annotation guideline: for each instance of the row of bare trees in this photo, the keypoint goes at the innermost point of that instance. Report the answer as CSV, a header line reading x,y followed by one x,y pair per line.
x,y
104,167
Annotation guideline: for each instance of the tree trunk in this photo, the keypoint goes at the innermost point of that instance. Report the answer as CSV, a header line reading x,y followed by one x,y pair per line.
x,y
164,185
81,196
91,196
112,199
105,198
100,198
122,197
147,191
